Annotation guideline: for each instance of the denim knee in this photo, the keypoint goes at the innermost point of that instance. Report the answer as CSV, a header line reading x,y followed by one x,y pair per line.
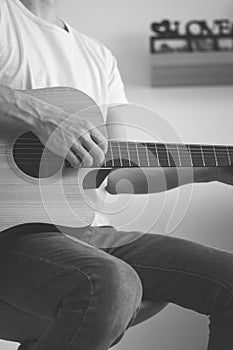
x,y
106,301
120,287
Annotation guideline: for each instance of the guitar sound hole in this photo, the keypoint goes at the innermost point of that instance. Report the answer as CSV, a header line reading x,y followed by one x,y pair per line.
x,y
33,159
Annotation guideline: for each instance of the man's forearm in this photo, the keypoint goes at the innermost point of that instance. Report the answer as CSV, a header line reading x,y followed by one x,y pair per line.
x,y
142,181
15,110
68,135
20,110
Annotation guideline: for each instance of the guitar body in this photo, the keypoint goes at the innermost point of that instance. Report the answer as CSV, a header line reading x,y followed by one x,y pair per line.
x,y
38,186
58,198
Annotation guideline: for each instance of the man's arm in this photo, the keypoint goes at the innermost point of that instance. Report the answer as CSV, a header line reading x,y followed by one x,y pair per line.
x,y
75,138
154,180
16,110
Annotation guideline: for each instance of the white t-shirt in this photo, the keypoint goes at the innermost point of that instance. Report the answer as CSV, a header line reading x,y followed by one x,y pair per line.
x,y
36,54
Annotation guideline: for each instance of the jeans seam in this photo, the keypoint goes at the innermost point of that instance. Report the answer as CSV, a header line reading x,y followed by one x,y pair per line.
x,y
24,310
190,273
91,240
85,314
65,267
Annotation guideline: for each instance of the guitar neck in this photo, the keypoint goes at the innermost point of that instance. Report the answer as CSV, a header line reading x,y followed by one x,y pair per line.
x,y
149,154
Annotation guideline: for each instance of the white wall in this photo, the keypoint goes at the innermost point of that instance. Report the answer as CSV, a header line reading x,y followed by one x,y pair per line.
x,y
199,115
124,25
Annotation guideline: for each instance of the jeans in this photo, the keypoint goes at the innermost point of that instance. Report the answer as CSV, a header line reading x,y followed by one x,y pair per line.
x,y
62,294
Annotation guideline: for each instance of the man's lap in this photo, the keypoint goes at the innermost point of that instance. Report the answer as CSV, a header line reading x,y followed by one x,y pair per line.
x,y
169,268
176,270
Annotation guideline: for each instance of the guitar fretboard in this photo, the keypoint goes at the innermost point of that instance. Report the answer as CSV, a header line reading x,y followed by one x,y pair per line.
x,y
148,154
28,151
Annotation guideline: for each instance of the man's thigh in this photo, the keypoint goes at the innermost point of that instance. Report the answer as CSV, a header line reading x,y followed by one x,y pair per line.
x,y
36,271
171,269
18,325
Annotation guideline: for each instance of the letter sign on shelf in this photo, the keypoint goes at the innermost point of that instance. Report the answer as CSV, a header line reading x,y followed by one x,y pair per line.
x,y
195,35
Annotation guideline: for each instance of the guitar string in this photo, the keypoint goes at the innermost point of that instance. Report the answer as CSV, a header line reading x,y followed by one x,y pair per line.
x,y
160,152
128,165
36,139
160,147
180,148
150,148
131,142
142,151
152,158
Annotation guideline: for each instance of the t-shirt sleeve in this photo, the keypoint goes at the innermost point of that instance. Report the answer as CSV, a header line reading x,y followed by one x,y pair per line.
x,y
116,89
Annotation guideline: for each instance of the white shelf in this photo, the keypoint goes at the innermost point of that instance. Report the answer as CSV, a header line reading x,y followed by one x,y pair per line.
x,y
180,69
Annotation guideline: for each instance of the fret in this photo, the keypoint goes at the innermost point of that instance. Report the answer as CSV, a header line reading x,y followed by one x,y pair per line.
x,y
185,155
147,155
120,155
230,153
109,161
162,155
173,155
143,161
112,158
197,156
215,156
152,154
168,156
133,154
209,156
189,151
124,154
137,154
128,154
202,155
178,152
222,156
173,159
116,154
155,152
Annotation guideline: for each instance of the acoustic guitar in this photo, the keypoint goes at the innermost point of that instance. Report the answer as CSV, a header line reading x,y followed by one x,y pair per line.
x,y
37,185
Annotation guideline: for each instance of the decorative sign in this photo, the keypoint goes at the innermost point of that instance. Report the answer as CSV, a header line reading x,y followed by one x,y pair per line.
x,y
196,35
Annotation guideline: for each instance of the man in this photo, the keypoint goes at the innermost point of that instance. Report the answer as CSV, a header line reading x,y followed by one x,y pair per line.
x,y
57,293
